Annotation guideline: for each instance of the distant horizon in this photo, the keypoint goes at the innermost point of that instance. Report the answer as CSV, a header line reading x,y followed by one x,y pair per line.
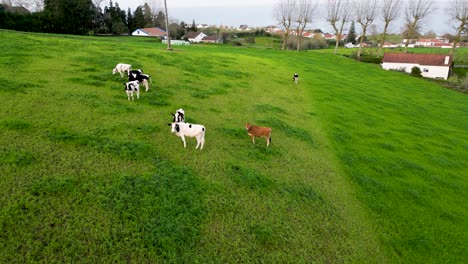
x,y
255,15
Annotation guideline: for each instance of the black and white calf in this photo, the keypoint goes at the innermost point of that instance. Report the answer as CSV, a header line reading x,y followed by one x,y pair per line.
x,y
296,77
132,87
121,68
138,75
179,116
183,130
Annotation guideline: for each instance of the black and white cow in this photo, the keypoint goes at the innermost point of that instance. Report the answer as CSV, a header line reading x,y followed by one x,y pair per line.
x,y
137,71
183,130
179,116
296,77
132,87
138,75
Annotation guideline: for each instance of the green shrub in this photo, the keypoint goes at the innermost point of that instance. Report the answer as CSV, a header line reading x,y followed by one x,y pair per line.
x,y
415,71
459,83
375,60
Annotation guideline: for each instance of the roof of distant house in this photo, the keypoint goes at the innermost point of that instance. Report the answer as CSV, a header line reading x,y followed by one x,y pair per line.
x,y
154,31
192,34
210,38
421,59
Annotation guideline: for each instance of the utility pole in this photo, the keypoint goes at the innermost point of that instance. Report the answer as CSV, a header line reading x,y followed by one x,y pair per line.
x,y
167,28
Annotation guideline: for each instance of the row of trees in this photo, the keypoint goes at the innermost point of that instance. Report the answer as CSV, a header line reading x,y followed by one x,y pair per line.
x,y
83,17
294,15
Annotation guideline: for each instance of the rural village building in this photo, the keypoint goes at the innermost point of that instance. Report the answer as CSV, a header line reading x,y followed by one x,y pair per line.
x,y
150,32
431,65
212,39
197,37
194,37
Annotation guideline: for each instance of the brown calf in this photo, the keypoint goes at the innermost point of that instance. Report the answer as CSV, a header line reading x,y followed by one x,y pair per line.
x,y
258,131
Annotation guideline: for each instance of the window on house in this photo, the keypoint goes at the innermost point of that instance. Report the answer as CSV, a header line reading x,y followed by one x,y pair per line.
x,y
425,70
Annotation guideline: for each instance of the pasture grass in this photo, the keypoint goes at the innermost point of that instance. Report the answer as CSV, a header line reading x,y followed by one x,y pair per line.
x,y
365,166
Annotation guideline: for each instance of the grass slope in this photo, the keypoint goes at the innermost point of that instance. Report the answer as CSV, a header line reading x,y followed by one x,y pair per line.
x,y
364,166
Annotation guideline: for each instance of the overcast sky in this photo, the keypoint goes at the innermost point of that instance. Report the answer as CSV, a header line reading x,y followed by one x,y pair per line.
x,y
259,13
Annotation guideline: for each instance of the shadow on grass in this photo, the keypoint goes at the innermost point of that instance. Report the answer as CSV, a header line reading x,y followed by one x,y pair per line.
x,y
127,150
294,132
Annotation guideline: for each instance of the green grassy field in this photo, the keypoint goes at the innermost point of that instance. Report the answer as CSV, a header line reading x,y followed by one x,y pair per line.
x,y
365,166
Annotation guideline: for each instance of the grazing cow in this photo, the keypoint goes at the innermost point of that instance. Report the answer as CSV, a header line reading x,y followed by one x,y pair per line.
x,y
122,68
179,116
138,75
182,130
132,87
296,77
258,131
137,71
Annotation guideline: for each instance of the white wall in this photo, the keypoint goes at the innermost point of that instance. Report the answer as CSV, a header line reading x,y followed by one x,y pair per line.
x,y
432,71
139,33
198,38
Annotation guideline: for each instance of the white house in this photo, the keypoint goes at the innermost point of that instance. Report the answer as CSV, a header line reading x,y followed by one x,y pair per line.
x,y
212,39
431,65
194,37
150,32
350,45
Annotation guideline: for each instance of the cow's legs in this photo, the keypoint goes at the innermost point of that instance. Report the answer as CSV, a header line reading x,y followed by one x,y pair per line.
x,y
183,140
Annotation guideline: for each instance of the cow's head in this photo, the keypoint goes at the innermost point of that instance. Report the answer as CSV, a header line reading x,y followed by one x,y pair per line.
x,y
175,128
114,71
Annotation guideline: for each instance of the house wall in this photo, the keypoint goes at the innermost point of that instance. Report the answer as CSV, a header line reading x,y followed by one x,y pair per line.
x,y
198,38
139,33
426,71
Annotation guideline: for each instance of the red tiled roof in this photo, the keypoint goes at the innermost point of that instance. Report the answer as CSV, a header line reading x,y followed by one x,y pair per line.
x,y
421,59
192,34
154,31
210,38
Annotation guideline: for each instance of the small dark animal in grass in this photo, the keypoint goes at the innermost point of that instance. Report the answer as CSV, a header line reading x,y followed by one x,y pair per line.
x,y
132,87
258,131
296,77
183,130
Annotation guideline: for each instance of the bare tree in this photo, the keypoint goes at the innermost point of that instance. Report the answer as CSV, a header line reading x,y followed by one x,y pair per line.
x,y
459,12
338,16
98,3
155,6
31,5
416,12
390,11
307,9
366,11
283,12
37,5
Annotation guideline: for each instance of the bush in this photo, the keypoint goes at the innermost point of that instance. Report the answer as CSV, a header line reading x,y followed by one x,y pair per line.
x,y
459,83
415,71
375,60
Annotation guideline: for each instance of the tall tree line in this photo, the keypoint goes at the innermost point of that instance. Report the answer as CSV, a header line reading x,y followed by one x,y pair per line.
x,y
83,17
